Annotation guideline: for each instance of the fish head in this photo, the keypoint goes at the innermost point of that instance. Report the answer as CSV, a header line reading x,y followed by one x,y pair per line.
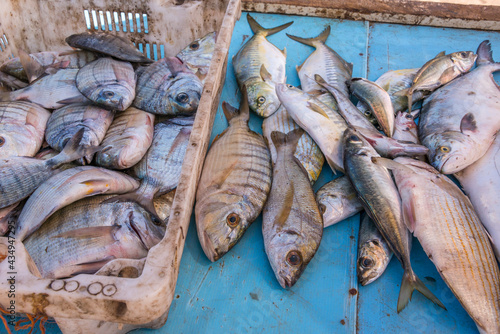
x,y
262,98
405,121
372,261
451,151
13,143
355,144
141,224
331,205
185,94
464,60
199,52
115,97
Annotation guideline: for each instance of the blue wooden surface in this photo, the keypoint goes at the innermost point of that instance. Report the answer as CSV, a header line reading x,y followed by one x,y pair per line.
x,y
240,293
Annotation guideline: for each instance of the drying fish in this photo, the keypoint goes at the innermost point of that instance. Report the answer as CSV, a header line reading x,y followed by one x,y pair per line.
x,y
68,187
11,82
337,201
385,146
405,128
374,253
82,237
20,176
198,55
452,126
108,44
292,225
127,139
259,65
22,127
51,91
377,99
439,71
234,183
107,82
168,87
65,122
325,62
307,151
159,170
481,182
322,123
443,219
380,198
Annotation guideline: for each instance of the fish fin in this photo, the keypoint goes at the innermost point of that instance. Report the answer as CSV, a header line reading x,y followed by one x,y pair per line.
x,y
181,138
290,139
283,52
90,267
402,92
264,74
319,79
90,232
410,99
314,107
314,41
484,53
229,111
448,75
284,213
468,123
73,151
257,28
219,136
74,99
138,197
409,215
410,283
32,68
301,166
440,54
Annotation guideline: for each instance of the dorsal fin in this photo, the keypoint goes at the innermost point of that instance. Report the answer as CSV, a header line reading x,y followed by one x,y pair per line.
x,y
484,53
258,29
314,41
440,54
32,67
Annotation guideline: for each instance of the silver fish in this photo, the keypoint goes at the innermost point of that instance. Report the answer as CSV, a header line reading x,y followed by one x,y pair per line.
x,y
451,125
307,151
374,254
198,55
66,121
108,83
67,187
127,139
258,65
292,225
87,234
337,200
22,128
168,87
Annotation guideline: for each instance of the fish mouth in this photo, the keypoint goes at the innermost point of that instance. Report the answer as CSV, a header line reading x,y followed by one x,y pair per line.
x,y
440,166
209,249
136,231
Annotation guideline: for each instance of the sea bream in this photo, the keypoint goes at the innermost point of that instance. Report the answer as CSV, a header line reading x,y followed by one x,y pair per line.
x,y
446,225
292,225
234,183
452,126
198,55
259,65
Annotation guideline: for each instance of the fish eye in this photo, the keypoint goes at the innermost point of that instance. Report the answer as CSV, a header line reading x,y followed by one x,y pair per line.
x,y
322,208
233,220
2,141
366,262
109,94
354,138
409,116
194,46
368,113
182,98
293,258
444,149
289,86
463,54
261,99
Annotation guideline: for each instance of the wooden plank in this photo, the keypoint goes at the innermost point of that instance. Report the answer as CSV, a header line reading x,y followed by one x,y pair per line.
x,y
422,12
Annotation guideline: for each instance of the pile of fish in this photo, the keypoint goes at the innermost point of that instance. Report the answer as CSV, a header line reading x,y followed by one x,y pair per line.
x,y
394,169
92,142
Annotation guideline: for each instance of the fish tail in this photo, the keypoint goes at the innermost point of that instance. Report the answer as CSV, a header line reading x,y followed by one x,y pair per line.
x,y
73,150
290,139
231,112
410,283
257,28
484,53
314,41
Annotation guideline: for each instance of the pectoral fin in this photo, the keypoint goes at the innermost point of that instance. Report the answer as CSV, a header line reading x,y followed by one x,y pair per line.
x,y
316,108
91,232
468,123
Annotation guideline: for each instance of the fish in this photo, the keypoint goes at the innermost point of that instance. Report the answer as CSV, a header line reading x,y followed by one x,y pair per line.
x,y
109,44
198,55
259,65
234,183
337,200
82,237
322,123
163,205
325,62
444,221
22,128
127,139
51,92
20,176
374,254
451,125
8,217
377,99
481,182
307,151
385,146
405,128
108,83
439,71
168,87
9,81
381,201
292,224
66,121
49,61
68,187
160,168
